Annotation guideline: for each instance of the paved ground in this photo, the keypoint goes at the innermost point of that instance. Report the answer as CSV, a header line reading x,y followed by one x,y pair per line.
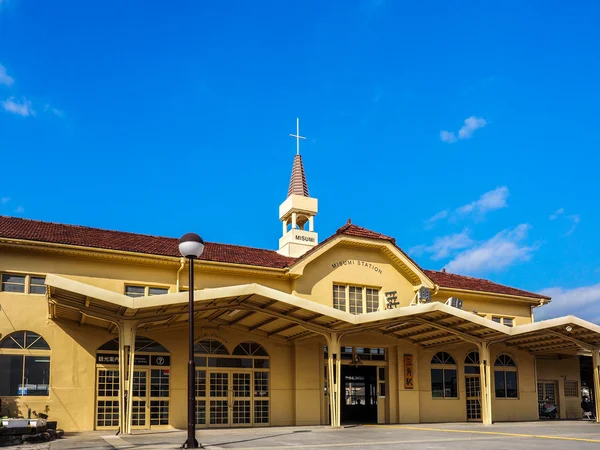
x,y
531,435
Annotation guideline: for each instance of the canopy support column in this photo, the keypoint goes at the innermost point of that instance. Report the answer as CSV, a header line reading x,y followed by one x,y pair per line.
x,y
596,362
334,366
126,354
485,368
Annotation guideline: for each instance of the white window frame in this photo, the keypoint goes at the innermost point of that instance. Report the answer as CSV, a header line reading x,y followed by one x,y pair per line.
x,y
363,303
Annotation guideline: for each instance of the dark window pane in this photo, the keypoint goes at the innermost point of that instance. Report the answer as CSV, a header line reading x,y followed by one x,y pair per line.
x,y
511,385
472,369
245,363
36,285
14,340
135,291
450,383
144,344
37,289
13,283
8,278
37,375
113,344
11,372
261,363
499,384
34,341
437,383
157,291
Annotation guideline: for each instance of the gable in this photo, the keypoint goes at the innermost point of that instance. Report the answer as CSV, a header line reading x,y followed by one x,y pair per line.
x,y
357,262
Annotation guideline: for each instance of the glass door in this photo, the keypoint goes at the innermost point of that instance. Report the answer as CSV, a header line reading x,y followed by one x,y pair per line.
x,y
473,391
241,400
107,399
218,389
139,411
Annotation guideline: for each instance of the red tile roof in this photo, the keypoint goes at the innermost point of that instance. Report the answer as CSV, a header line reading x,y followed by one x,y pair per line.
x,y
33,230
454,281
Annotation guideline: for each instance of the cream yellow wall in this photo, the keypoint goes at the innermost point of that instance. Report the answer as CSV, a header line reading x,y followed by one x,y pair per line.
x,y
525,407
561,370
316,283
309,387
489,306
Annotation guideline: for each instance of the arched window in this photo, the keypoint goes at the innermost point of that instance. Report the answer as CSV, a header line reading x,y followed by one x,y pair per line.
x,y
142,344
210,347
443,376
472,363
250,349
505,377
24,365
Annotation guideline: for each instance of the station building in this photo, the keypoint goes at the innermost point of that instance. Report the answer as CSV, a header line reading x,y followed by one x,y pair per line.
x,y
347,329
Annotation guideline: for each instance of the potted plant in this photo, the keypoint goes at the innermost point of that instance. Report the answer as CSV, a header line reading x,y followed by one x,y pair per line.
x,y
40,418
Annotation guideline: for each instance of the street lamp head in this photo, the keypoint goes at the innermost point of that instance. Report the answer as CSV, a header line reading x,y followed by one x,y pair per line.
x,y
191,245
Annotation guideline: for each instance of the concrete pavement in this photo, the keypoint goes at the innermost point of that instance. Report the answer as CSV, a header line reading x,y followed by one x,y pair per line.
x,y
530,435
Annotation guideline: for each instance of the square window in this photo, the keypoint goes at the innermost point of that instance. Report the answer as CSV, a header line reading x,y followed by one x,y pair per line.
x,y
497,319
135,291
13,283
157,291
36,285
508,321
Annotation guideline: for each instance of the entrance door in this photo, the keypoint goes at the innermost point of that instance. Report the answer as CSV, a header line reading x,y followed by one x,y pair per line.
x,y
218,404
107,399
241,400
547,390
473,394
139,411
359,388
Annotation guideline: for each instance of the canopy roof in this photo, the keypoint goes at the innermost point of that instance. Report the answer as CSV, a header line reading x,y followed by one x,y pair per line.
x,y
274,314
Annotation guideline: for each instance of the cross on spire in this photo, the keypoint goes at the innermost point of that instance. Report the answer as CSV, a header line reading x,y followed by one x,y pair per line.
x,y
297,136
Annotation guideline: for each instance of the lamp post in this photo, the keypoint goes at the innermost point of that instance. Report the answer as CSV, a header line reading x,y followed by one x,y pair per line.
x,y
191,247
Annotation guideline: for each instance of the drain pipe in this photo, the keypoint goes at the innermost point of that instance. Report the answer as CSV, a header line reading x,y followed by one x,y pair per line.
x,y
182,261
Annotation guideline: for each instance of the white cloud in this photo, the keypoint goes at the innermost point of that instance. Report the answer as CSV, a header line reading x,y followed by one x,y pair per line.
x,y
4,200
557,213
502,250
5,79
575,219
470,125
489,201
56,112
447,136
438,216
22,108
581,301
20,210
444,246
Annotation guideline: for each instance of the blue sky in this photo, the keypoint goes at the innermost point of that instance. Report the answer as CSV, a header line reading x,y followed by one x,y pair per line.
x,y
469,131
